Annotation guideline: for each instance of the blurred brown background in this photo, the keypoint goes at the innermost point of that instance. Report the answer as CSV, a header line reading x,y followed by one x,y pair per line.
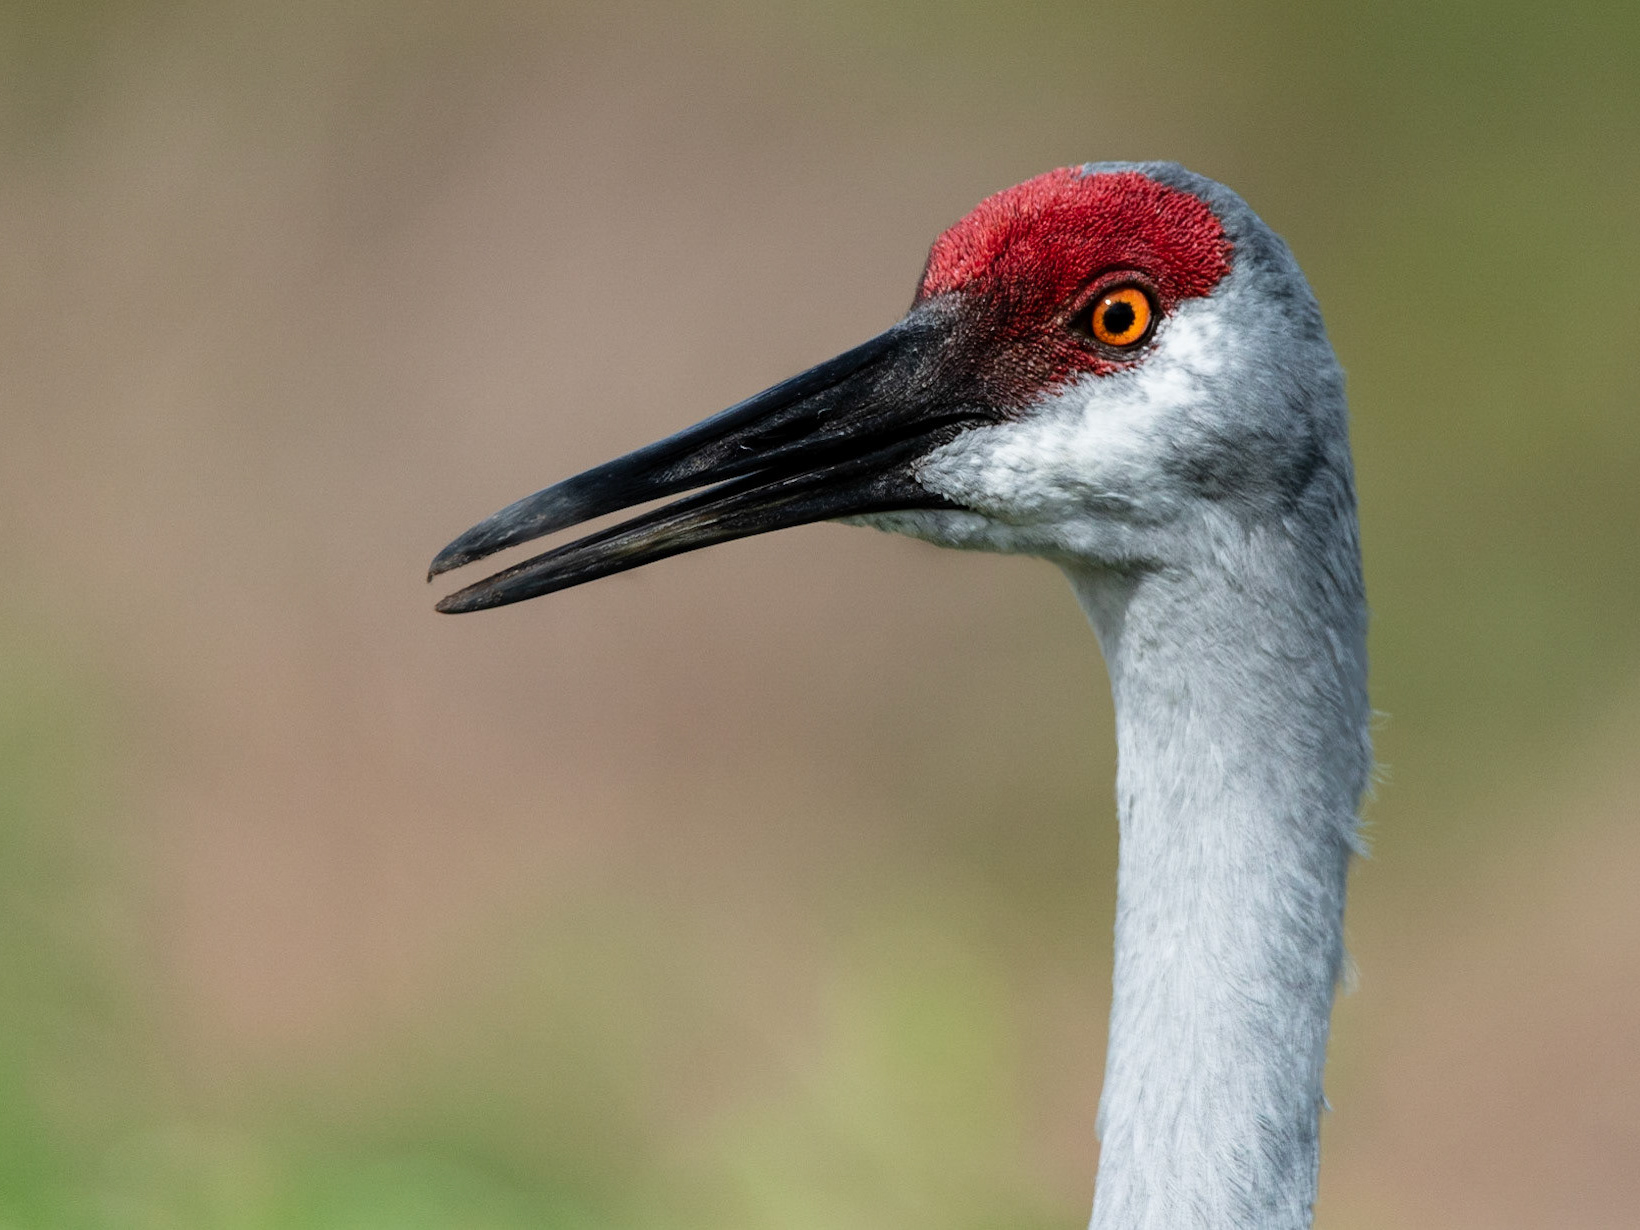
x,y
772,886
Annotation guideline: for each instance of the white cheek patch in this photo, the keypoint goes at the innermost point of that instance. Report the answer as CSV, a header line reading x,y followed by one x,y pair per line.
x,y
1096,447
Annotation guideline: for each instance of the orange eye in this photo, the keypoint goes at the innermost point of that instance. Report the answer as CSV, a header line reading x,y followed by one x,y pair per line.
x,y
1122,317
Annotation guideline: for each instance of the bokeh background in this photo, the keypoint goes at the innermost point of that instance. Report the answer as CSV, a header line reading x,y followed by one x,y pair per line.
x,y
771,886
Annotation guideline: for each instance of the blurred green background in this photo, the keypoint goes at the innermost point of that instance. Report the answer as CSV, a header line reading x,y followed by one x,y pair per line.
x,y
768,887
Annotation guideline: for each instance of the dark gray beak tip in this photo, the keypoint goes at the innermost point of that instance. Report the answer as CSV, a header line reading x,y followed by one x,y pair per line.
x,y
454,604
449,559
520,521
485,538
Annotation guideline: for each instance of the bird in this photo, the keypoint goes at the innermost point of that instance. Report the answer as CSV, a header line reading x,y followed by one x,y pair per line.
x,y
1119,368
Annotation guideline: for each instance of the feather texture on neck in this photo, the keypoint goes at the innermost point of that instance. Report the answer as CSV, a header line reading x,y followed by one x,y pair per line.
x,y
1241,713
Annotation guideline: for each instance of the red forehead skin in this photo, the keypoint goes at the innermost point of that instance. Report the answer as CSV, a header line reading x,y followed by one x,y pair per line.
x,y
1021,262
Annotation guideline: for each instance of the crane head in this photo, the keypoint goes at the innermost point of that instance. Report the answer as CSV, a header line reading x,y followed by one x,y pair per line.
x,y
1094,358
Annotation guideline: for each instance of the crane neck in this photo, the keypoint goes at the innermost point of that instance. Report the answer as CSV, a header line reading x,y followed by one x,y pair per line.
x,y
1241,720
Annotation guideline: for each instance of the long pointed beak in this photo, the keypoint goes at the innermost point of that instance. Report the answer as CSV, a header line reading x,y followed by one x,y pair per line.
x,y
838,440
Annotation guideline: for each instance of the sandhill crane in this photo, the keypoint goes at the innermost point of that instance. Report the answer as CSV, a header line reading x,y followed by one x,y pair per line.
x,y
1119,368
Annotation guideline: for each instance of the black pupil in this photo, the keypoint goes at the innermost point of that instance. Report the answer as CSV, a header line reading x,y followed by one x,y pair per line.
x,y
1118,317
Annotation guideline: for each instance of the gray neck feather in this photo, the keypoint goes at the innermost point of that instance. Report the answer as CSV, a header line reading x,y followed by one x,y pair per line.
x,y
1241,716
